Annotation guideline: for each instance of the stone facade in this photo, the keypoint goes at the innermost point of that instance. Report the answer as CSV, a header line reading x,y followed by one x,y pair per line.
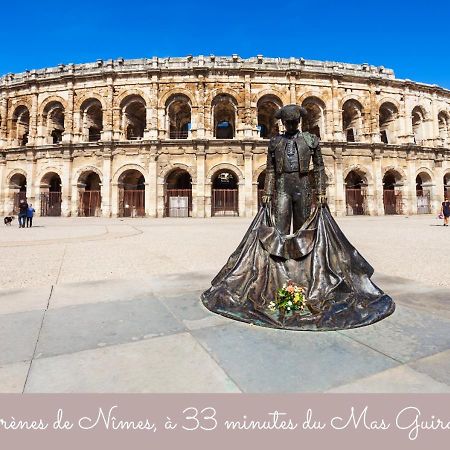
x,y
128,137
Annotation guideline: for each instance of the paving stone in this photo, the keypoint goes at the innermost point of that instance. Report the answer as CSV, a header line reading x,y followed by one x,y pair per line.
x,y
20,300
436,366
407,335
12,377
103,291
175,363
18,335
266,360
402,379
82,327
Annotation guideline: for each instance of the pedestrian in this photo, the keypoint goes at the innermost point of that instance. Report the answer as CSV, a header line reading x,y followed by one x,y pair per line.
x,y
30,213
23,209
445,211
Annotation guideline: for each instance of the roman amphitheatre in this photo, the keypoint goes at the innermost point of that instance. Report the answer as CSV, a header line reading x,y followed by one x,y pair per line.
x,y
188,136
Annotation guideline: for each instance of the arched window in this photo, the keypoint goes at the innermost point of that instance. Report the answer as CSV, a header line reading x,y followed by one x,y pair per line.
x,y
314,121
178,111
224,113
53,121
388,123
267,124
178,198
392,195
89,190
355,193
51,195
21,124
444,128
92,119
418,125
225,188
131,194
134,117
352,121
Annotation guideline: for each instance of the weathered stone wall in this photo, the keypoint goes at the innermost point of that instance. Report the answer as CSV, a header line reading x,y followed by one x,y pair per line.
x,y
369,122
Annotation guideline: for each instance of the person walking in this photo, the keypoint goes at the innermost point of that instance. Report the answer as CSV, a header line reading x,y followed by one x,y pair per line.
x,y
30,213
23,209
445,211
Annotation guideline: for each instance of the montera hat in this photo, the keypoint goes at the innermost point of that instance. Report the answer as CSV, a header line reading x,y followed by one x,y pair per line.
x,y
290,112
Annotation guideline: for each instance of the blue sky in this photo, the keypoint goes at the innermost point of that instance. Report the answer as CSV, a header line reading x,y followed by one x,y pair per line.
x,y
410,37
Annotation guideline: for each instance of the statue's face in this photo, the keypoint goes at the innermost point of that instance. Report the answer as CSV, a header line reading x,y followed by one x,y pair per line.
x,y
291,125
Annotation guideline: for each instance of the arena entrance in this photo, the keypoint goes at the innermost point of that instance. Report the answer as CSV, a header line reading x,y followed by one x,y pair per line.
x,y
355,194
131,194
392,196
178,194
423,194
261,181
18,187
50,197
225,194
90,198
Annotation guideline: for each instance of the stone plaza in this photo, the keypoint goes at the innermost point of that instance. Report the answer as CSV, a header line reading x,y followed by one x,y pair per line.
x,y
113,305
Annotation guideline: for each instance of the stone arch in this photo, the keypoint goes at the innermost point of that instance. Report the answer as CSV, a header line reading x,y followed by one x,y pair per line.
x,y
53,118
20,125
388,99
14,172
283,97
178,113
90,96
355,97
225,166
122,169
226,193
89,181
238,97
395,169
257,172
443,118
172,166
419,116
314,121
129,93
177,91
224,114
46,170
388,122
266,106
92,114
362,171
429,174
133,110
16,103
352,114
52,98
77,175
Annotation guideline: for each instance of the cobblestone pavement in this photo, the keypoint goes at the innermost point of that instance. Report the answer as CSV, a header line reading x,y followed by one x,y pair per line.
x,y
112,305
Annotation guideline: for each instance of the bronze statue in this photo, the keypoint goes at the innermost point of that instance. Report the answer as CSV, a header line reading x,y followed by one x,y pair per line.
x,y
316,260
287,184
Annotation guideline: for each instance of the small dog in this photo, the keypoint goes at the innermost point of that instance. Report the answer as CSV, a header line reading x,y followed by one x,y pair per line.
x,y
8,220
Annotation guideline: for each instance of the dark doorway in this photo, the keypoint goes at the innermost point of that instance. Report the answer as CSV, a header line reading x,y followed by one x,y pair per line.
x,y
178,198
225,194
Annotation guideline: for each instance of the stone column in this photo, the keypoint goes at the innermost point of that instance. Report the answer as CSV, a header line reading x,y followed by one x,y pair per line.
x,y
248,181
373,117
200,119
106,184
378,200
66,179
292,88
410,200
2,185
31,175
108,115
69,115
33,137
3,125
337,113
151,199
339,177
199,201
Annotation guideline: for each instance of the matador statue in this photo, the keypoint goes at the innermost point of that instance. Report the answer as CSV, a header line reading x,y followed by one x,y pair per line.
x,y
287,186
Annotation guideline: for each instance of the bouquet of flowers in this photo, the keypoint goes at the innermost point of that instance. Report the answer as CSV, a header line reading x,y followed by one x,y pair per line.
x,y
289,298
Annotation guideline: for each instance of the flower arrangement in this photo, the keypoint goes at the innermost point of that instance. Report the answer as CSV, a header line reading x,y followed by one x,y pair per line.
x,y
289,298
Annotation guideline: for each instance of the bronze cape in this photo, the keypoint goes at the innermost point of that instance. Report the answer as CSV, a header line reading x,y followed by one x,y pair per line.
x,y
318,256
